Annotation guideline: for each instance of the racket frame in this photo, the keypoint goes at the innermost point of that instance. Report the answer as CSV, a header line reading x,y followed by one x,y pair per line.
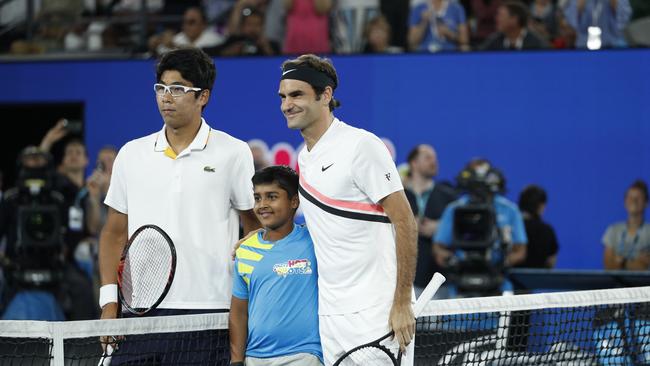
x,y
122,304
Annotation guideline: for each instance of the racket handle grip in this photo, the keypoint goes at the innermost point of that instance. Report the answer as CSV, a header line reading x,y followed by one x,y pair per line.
x,y
106,357
431,289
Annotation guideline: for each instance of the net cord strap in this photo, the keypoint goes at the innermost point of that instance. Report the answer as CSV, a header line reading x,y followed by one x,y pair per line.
x,y
57,346
92,328
537,301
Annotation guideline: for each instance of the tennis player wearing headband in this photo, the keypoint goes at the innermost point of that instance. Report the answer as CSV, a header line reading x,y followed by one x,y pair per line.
x,y
357,213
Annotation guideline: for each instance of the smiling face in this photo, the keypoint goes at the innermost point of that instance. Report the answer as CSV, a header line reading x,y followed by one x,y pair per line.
x,y
273,207
300,105
181,111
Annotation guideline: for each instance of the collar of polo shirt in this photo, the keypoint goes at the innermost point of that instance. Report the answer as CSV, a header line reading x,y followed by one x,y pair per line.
x,y
199,143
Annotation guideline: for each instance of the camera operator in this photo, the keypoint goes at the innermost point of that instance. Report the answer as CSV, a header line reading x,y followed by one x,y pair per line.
x,y
487,233
32,219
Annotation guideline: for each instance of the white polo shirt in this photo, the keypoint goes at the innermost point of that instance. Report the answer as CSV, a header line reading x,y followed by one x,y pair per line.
x,y
193,197
342,179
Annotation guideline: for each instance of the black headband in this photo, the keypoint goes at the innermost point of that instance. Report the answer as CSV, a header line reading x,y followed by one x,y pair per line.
x,y
310,76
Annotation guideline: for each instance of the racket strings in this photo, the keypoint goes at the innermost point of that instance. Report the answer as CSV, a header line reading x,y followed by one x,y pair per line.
x,y
146,269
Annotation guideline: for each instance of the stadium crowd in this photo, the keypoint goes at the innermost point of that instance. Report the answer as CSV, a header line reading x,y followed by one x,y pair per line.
x,y
272,27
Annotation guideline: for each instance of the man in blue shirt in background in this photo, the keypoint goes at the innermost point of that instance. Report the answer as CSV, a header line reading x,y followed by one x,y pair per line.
x,y
274,308
598,23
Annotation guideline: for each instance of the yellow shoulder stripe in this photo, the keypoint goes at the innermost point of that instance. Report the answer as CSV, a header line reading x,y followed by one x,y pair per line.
x,y
254,242
247,280
243,253
244,268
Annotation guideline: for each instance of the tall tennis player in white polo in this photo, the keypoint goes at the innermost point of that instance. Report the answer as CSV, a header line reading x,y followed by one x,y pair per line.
x,y
355,208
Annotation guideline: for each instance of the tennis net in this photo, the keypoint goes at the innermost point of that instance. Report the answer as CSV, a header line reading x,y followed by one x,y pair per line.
x,y
602,327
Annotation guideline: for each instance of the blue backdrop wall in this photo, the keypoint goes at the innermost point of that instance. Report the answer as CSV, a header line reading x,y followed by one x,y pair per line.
x,y
577,123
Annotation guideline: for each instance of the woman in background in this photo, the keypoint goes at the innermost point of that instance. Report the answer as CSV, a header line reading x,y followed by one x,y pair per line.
x,y
627,244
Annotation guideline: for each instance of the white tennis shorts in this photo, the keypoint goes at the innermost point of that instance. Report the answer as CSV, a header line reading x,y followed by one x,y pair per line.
x,y
341,332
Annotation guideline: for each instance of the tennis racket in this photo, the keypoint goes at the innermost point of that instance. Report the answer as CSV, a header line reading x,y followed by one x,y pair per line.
x,y
144,275
383,351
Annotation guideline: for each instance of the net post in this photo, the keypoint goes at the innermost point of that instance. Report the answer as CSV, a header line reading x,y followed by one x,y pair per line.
x,y
57,344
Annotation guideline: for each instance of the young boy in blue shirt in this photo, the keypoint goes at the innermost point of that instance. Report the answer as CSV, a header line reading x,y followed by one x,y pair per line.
x,y
274,308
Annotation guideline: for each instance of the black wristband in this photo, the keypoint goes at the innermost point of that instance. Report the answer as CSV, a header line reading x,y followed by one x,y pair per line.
x,y
238,363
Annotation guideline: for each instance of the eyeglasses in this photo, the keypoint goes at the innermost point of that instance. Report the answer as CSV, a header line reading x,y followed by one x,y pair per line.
x,y
174,90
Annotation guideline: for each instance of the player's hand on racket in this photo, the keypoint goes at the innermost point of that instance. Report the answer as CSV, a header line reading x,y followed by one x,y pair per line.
x,y
402,322
109,311
239,243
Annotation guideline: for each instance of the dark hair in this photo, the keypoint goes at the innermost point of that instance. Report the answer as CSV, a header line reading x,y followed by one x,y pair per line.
x,y
204,17
193,64
518,10
75,141
110,148
641,186
323,65
531,198
413,154
284,176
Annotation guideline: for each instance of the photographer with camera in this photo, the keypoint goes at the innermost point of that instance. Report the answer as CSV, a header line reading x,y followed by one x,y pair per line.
x,y
481,233
42,226
30,220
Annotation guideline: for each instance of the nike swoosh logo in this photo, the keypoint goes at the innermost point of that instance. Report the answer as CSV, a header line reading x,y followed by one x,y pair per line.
x,y
324,168
288,71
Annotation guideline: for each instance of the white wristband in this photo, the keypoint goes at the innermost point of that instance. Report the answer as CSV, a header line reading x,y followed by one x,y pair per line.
x,y
107,294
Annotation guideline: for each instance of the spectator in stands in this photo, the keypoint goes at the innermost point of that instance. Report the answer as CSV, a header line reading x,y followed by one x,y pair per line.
x,y
240,10
54,19
70,177
307,26
599,23
275,22
260,152
543,19
69,180
438,25
378,36
542,242
195,32
484,13
512,30
397,16
508,217
249,40
349,20
566,35
428,200
97,186
627,244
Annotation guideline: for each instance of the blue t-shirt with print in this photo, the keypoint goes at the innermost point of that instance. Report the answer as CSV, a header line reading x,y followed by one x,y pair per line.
x,y
279,280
